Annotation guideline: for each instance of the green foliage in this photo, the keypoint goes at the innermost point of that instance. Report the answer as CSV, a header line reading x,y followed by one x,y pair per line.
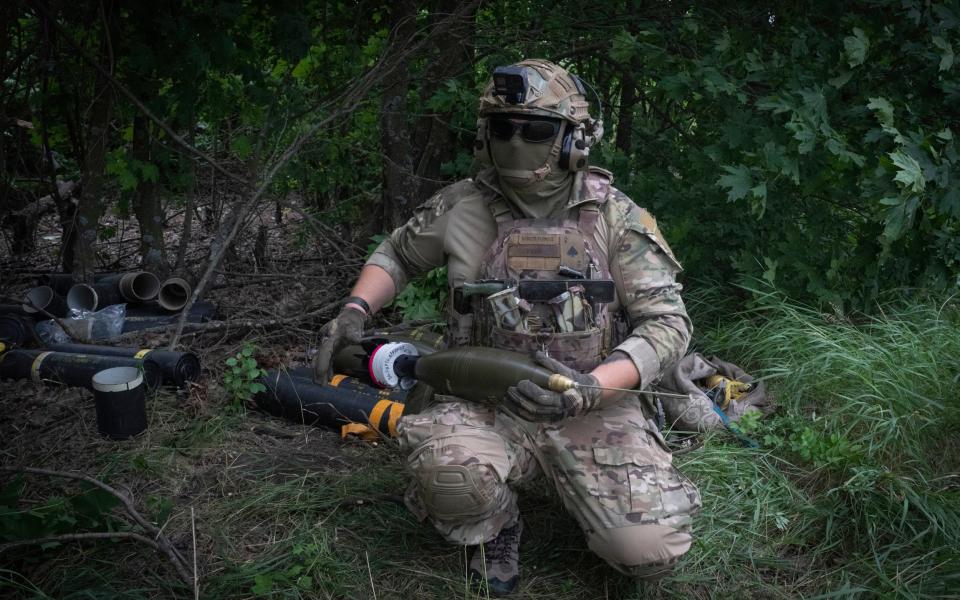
x,y
425,297
240,377
832,139
374,243
161,507
293,577
809,443
824,147
86,510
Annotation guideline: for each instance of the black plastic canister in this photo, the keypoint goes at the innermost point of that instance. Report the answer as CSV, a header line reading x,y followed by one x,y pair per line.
x,y
177,368
14,330
119,394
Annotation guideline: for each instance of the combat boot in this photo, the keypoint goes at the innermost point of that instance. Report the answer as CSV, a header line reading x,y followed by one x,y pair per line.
x,y
495,566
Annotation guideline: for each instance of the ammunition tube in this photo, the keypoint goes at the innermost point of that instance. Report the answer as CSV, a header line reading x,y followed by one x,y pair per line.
x,y
137,286
302,401
15,330
93,296
70,369
44,298
176,368
174,293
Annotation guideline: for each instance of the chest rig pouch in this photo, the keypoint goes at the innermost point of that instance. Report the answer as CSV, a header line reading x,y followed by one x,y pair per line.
x,y
557,287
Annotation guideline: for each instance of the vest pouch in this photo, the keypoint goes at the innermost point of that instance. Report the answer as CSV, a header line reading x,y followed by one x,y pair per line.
x,y
580,350
460,327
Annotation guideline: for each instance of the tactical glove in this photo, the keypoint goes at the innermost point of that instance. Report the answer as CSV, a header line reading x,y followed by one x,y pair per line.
x,y
345,328
531,402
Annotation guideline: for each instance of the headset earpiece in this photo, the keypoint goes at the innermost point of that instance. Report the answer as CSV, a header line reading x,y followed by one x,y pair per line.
x,y
574,152
481,147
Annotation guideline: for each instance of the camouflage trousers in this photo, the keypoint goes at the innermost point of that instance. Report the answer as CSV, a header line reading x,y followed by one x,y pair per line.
x,y
610,467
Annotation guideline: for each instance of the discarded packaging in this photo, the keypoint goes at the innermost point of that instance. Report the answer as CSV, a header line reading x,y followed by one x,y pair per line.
x,y
106,324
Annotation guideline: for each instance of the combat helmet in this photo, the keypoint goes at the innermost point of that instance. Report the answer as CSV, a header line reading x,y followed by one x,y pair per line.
x,y
536,87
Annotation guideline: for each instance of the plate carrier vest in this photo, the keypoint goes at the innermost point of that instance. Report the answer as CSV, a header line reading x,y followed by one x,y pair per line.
x,y
538,249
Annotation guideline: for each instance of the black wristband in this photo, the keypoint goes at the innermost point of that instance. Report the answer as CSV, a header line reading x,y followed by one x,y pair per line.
x,y
359,302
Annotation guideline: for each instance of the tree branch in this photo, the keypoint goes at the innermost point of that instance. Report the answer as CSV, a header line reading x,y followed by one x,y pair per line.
x,y
55,318
392,56
160,541
77,537
42,8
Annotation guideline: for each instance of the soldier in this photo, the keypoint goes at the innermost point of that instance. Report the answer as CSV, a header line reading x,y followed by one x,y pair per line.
x,y
539,212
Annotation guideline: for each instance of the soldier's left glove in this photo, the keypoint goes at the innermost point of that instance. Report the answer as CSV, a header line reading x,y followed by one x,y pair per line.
x,y
529,401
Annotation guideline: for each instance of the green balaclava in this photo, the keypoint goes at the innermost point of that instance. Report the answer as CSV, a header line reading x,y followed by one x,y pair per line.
x,y
530,175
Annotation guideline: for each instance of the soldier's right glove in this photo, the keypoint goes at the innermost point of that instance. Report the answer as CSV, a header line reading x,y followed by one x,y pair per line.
x,y
531,402
344,329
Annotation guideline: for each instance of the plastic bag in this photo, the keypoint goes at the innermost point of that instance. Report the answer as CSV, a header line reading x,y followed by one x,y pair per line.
x,y
84,326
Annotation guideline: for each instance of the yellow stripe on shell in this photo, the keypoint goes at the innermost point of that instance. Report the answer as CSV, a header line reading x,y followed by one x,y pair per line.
x,y
35,367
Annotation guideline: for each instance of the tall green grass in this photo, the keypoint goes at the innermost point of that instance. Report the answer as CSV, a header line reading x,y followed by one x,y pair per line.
x,y
865,439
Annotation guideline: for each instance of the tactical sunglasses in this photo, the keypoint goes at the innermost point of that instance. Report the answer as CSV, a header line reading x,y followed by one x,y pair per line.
x,y
533,130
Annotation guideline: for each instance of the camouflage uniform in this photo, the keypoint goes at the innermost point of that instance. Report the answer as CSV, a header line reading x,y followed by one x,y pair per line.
x,y
610,465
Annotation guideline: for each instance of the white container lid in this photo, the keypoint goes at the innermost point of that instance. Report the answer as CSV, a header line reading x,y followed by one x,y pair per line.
x,y
117,379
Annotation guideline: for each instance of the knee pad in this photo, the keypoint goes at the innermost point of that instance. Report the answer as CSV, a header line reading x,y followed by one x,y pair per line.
x,y
644,551
458,491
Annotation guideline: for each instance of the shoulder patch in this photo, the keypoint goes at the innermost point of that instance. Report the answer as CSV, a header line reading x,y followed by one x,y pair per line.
x,y
646,224
601,172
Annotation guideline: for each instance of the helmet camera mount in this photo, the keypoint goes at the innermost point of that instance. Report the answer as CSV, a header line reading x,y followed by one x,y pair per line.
x,y
511,83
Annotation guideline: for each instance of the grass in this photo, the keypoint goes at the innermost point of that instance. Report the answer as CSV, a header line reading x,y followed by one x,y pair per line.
x,y
853,492
866,434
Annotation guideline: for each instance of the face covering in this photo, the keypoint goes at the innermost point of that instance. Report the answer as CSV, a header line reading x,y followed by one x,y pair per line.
x,y
520,166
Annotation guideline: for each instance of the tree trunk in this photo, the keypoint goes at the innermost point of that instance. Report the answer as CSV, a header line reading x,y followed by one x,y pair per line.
x,y
235,211
432,135
415,149
628,99
399,194
190,167
146,205
90,206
